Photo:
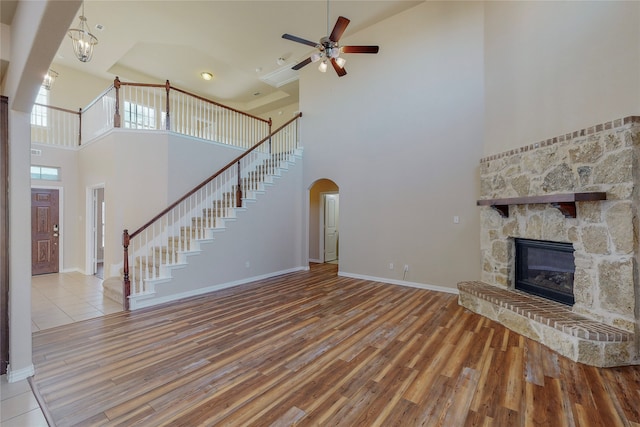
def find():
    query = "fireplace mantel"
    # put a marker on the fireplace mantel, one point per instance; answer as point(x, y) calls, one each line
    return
point(566, 202)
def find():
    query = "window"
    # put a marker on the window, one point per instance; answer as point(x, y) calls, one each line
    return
point(139, 116)
point(39, 113)
point(45, 173)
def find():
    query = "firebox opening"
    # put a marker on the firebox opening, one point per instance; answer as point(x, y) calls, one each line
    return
point(545, 269)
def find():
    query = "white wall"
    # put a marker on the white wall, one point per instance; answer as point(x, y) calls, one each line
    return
point(281, 115)
point(404, 146)
point(74, 89)
point(553, 67)
point(191, 161)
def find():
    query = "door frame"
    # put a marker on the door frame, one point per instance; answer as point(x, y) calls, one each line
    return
point(4, 231)
point(60, 220)
point(321, 221)
point(90, 240)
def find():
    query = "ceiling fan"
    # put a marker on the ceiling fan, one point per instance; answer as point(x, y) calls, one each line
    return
point(329, 49)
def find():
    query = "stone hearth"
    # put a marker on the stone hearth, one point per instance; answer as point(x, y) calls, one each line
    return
point(602, 158)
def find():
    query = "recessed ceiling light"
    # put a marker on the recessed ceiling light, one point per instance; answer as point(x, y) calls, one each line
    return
point(206, 76)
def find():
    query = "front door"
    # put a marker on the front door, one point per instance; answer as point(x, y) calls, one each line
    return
point(45, 231)
point(330, 227)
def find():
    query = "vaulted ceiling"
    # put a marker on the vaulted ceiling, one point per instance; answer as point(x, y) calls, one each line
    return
point(239, 42)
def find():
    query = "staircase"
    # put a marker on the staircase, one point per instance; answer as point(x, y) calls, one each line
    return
point(190, 226)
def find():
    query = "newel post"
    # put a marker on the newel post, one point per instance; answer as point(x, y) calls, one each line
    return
point(116, 115)
point(239, 189)
point(167, 86)
point(270, 124)
point(126, 291)
point(79, 126)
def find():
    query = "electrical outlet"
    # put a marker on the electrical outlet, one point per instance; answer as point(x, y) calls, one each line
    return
point(406, 268)
point(247, 264)
point(390, 266)
point(456, 219)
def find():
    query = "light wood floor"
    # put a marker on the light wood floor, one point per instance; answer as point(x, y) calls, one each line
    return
point(312, 348)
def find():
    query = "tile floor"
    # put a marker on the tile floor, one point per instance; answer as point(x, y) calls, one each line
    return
point(18, 406)
point(56, 299)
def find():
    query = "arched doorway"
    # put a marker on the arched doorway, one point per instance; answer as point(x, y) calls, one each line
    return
point(324, 223)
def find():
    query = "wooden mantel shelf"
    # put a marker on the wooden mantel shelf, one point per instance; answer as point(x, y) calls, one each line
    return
point(566, 203)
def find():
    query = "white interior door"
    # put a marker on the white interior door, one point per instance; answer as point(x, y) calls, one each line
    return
point(331, 210)
point(94, 230)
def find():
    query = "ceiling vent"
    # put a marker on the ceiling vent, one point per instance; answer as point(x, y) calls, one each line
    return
point(280, 77)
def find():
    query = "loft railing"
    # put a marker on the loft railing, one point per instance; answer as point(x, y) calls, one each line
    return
point(149, 107)
point(159, 242)
point(56, 126)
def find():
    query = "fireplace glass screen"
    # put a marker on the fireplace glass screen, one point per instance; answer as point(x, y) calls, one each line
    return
point(545, 269)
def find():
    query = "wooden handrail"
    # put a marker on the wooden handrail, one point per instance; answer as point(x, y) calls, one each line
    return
point(142, 84)
point(220, 105)
point(206, 181)
point(97, 98)
point(57, 108)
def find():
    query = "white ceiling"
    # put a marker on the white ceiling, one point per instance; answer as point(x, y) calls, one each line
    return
point(149, 41)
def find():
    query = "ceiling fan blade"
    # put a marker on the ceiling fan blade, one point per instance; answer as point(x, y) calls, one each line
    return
point(301, 64)
point(360, 49)
point(339, 70)
point(299, 40)
point(338, 29)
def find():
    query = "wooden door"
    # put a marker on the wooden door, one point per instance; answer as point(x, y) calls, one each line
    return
point(45, 231)
point(330, 227)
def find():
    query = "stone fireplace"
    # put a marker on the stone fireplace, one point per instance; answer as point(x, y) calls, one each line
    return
point(601, 327)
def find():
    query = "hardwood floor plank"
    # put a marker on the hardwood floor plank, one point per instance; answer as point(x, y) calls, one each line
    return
point(312, 348)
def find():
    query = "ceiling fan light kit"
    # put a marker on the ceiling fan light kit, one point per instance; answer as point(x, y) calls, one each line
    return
point(329, 49)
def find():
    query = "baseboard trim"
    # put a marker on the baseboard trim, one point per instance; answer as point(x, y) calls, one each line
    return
point(150, 302)
point(400, 283)
point(19, 374)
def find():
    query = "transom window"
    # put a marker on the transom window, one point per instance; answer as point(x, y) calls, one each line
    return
point(46, 173)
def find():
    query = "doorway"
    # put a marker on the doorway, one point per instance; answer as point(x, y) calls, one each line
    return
point(330, 225)
point(97, 232)
point(324, 242)
point(45, 231)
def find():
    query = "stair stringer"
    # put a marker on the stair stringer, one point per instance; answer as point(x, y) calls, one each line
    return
point(267, 232)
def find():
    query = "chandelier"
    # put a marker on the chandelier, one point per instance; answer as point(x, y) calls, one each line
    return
point(49, 79)
point(83, 40)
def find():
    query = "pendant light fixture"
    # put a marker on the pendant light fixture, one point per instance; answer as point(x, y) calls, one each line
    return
point(49, 79)
point(83, 40)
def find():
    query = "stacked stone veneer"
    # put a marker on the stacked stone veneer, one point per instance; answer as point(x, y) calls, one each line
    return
point(604, 233)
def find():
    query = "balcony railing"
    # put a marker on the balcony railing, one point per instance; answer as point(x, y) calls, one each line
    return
point(148, 107)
